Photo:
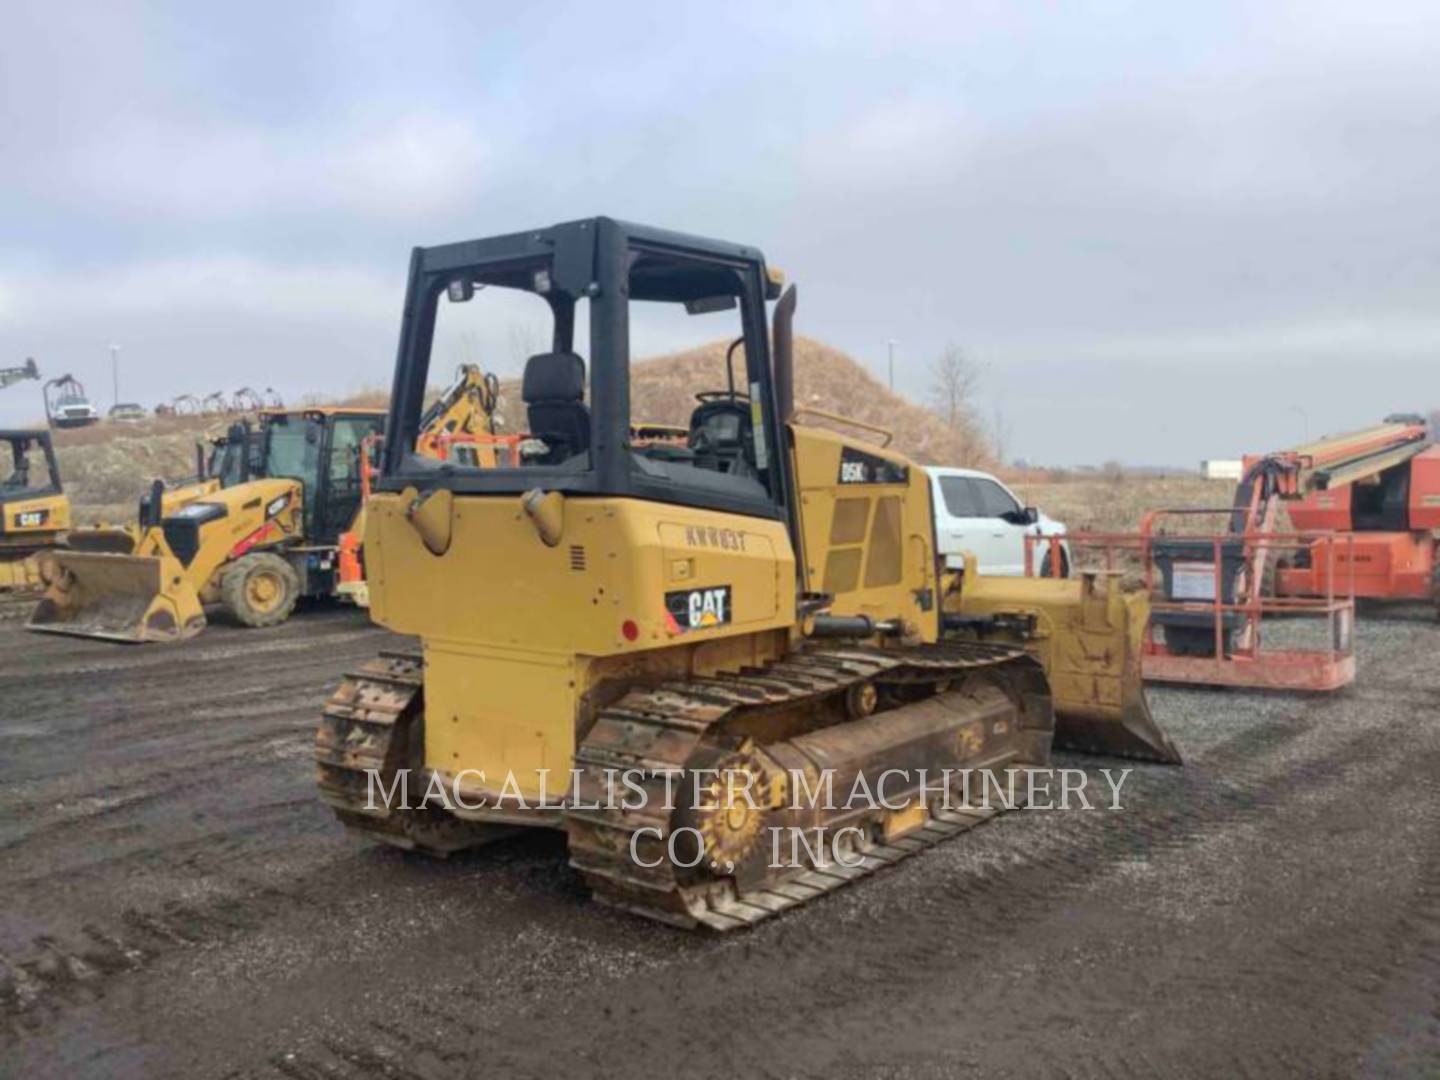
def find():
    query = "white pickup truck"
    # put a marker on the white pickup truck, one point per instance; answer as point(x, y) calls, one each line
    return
point(976, 512)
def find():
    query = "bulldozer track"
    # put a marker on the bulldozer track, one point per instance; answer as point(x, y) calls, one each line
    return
point(366, 730)
point(368, 726)
point(358, 733)
point(657, 731)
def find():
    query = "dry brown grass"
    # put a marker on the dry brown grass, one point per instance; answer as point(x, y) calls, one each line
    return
point(1115, 504)
point(369, 398)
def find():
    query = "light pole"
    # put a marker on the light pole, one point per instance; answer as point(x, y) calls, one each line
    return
point(890, 351)
point(115, 372)
point(1304, 420)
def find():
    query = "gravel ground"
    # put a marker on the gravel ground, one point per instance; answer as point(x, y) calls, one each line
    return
point(176, 903)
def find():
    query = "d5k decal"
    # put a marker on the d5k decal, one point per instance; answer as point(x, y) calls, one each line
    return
point(858, 467)
point(698, 609)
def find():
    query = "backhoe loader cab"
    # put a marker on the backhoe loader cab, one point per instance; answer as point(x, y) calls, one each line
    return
point(321, 449)
point(231, 458)
point(760, 602)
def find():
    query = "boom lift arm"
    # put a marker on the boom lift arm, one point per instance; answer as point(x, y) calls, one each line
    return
point(1325, 465)
point(1328, 464)
point(27, 370)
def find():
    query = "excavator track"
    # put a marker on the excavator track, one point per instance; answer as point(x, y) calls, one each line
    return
point(658, 732)
point(371, 725)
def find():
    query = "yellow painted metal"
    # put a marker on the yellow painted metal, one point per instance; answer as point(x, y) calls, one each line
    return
point(117, 597)
point(172, 499)
point(19, 571)
point(37, 521)
point(899, 822)
point(1088, 636)
point(869, 545)
point(30, 527)
point(507, 679)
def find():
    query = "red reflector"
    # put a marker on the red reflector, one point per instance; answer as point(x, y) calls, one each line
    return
point(630, 630)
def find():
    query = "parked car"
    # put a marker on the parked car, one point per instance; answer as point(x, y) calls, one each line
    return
point(976, 512)
point(128, 412)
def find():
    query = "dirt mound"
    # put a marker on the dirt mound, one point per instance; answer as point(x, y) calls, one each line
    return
point(106, 467)
point(662, 390)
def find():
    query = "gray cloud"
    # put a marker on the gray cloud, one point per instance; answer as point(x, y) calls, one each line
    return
point(1158, 229)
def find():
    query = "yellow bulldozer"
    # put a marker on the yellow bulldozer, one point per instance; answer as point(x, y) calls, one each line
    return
point(680, 644)
point(34, 509)
point(254, 542)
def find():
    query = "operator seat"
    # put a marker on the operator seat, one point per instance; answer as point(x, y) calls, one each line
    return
point(554, 393)
point(720, 432)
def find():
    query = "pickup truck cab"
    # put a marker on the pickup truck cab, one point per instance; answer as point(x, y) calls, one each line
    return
point(976, 512)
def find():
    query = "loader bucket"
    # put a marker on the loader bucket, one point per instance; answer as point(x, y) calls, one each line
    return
point(117, 597)
point(1087, 634)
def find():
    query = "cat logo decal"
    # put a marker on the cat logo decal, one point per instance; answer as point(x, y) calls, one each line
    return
point(697, 609)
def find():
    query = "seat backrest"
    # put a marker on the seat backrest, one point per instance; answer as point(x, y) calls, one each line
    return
point(722, 424)
point(554, 393)
point(720, 432)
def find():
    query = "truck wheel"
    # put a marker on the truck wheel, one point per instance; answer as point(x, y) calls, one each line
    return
point(1064, 565)
point(260, 589)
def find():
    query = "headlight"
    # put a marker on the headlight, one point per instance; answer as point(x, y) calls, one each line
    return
point(199, 512)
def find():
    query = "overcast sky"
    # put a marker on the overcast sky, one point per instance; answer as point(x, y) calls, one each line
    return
point(1165, 231)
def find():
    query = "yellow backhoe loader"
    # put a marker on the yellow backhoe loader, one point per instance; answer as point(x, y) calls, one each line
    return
point(256, 547)
point(684, 652)
point(220, 462)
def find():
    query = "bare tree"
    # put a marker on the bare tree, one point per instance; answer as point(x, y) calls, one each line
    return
point(1000, 434)
point(953, 379)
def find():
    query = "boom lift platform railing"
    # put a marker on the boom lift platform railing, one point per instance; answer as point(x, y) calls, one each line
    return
point(1208, 625)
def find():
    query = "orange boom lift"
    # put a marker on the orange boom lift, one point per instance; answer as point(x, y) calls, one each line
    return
point(1378, 490)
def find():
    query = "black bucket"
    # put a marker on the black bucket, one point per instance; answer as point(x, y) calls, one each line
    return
point(1188, 570)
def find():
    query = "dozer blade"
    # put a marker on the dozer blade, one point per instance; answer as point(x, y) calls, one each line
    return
point(117, 597)
point(1088, 635)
